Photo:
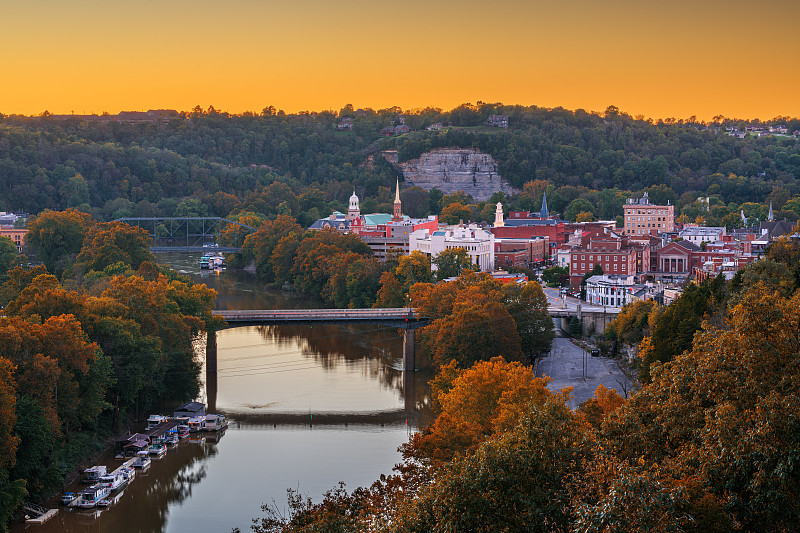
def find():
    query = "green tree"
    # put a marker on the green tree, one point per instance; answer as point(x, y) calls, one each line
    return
point(56, 237)
point(522, 481)
point(8, 251)
point(576, 207)
point(527, 305)
point(451, 262)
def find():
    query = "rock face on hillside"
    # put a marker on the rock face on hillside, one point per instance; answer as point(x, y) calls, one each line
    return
point(456, 169)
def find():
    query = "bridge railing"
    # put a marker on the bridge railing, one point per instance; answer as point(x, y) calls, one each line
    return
point(318, 314)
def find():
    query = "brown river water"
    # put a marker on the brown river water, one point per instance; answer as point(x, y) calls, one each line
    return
point(307, 407)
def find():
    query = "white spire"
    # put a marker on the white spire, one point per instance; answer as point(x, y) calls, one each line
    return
point(498, 216)
point(397, 192)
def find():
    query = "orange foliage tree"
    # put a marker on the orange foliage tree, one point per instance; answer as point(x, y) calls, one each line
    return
point(107, 243)
point(486, 399)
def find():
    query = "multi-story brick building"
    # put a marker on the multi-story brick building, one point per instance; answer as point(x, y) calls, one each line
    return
point(643, 218)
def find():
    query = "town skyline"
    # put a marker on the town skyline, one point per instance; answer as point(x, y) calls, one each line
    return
point(660, 61)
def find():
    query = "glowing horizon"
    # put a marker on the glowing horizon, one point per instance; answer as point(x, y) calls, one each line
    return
point(677, 60)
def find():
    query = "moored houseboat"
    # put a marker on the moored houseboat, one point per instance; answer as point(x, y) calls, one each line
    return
point(157, 450)
point(155, 420)
point(89, 497)
point(92, 475)
point(142, 460)
point(214, 423)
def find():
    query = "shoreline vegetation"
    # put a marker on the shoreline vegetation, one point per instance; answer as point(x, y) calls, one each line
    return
point(88, 350)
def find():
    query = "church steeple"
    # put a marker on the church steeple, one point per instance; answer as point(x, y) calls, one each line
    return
point(770, 217)
point(398, 212)
point(544, 213)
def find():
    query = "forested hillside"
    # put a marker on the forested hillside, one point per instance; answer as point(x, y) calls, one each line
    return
point(208, 162)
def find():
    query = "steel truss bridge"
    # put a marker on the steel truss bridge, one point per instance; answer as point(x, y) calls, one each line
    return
point(189, 234)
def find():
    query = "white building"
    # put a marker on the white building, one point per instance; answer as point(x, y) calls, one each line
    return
point(478, 243)
point(700, 234)
point(610, 290)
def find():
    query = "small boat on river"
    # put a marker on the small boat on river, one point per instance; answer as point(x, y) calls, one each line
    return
point(142, 460)
point(157, 450)
point(155, 420)
point(68, 498)
point(214, 423)
point(89, 497)
point(196, 423)
point(93, 474)
point(183, 431)
point(115, 480)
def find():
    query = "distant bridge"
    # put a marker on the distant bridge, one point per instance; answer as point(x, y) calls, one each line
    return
point(189, 234)
point(398, 317)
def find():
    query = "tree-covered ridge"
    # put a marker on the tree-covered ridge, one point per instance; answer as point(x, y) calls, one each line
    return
point(112, 169)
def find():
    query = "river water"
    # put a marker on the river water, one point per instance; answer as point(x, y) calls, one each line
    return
point(308, 407)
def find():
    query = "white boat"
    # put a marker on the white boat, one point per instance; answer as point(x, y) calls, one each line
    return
point(94, 474)
point(155, 420)
point(115, 480)
point(90, 497)
point(157, 450)
point(68, 498)
point(196, 423)
point(142, 460)
point(214, 423)
point(173, 439)
point(183, 431)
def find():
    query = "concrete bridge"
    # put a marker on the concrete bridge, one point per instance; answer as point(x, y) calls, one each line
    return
point(405, 318)
point(592, 319)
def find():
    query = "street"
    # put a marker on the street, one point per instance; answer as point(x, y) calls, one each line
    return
point(565, 366)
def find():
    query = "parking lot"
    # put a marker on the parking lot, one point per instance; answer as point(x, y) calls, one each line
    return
point(570, 366)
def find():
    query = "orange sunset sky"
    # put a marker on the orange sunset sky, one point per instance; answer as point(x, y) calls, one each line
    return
point(663, 59)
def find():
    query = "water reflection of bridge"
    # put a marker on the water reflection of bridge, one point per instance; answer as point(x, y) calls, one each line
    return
point(330, 335)
point(405, 318)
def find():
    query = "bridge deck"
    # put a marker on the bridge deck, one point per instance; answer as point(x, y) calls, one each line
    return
point(398, 317)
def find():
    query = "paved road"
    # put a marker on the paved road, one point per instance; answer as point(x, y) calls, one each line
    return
point(565, 365)
point(556, 301)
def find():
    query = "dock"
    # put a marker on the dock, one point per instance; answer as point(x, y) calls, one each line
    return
point(41, 519)
point(42, 514)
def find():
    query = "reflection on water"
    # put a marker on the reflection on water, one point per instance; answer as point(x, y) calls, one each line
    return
point(289, 374)
point(145, 503)
point(307, 407)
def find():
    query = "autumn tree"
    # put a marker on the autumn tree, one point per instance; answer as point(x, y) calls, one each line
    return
point(56, 237)
point(260, 245)
point(455, 213)
point(107, 243)
point(522, 480)
point(723, 414)
point(12, 490)
point(487, 399)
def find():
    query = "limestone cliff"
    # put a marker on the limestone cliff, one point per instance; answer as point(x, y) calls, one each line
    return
point(455, 169)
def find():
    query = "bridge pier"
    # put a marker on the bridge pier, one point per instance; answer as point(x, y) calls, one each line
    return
point(211, 371)
point(409, 355)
